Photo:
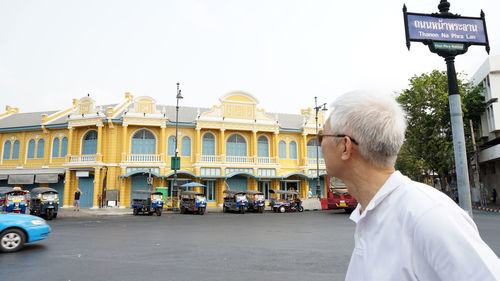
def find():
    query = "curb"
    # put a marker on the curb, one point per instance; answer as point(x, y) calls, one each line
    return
point(487, 209)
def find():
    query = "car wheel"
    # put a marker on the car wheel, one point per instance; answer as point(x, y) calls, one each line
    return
point(282, 209)
point(11, 240)
point(50, 214)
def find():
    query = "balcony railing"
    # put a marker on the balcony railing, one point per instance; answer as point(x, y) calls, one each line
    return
point(83, 158)
point(266, 160)
point(210, 158)
point(313, 161)
point(239, 159)
point(149, 158)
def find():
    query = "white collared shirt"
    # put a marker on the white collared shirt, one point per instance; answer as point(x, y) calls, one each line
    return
point(411, 231)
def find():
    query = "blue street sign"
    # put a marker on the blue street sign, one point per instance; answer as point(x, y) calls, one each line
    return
point(422, 27)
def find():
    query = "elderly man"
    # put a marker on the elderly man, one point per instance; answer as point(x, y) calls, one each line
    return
point(405, 230)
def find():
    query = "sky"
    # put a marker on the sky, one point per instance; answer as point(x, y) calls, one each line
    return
point(283, 52)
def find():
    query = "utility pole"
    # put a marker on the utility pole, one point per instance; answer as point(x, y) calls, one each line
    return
point(475, 166)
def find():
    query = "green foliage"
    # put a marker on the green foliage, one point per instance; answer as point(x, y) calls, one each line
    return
point(429, 141)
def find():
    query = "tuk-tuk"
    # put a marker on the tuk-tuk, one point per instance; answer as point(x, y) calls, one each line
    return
point(44, 201)
point(13, 200)
point(192, 201)
point(235, 200)
point(147, 202)
point(289, 201)
point(256, 200)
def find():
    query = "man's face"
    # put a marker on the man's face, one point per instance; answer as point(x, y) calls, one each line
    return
point(331, 153)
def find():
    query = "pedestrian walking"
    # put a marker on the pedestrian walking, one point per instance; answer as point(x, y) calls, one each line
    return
point(494, 194)
point(456, 195)
point(405, 230)
point(76, 201)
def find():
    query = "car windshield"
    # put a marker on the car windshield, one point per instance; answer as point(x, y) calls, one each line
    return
point(157, 197)
point(49, 196)
point(15, 198)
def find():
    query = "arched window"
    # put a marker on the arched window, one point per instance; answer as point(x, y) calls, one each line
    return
point(262, 147)
point(208, 144)
point(64, 147)
point(292, 150)
point(6, 150)
point(15, 151)
point(171, 146)
point(31, 149)
point(90, 143)
point(282, 149)
point(236, 146)
point(313, 149)
point(186, 146)
point(55, 148)
point(143, 142)
point(40, 149)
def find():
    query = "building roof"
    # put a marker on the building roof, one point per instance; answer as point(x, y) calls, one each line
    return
point(186, 115)
point(23, 119)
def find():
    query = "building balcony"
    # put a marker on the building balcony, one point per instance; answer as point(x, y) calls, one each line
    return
point(237, 159)
point(142, 158)
point(210, 158)
point(85, 158)
point(314, 161)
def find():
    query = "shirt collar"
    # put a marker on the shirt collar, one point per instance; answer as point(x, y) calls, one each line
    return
point(390, 184)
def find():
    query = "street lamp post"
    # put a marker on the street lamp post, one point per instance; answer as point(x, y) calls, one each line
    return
point(316, 109)
point(178, 97)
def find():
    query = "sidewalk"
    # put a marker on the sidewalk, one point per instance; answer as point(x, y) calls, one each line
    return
point(87, 211)
point(491, 207)
point(113, 211)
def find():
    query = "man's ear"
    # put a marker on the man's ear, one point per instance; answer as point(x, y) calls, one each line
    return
point(348, 149)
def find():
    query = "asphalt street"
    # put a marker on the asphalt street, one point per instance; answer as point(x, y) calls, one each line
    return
point(270, 246)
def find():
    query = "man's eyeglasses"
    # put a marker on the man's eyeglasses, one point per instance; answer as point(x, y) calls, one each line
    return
point(321, 135)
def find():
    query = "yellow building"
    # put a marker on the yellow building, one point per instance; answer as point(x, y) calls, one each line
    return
point(109, 151)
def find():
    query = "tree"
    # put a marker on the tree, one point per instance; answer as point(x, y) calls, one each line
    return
point(428, 148)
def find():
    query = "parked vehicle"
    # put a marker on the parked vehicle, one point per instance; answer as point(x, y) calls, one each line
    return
point(192, 201)
point(147, 202)
point(18, 229)
point(235, 200)
point(13, 200)
point(44, 201)
point(256, 200)
point(288, 201)
point(339, 198)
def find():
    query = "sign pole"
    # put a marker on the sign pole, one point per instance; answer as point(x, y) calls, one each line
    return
point(449, 35)
point(457, 127)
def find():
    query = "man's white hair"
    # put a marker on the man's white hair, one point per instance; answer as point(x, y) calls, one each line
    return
point(375, 120)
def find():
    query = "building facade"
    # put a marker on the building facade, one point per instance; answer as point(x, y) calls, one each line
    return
point(111, 150)
point(488, 75)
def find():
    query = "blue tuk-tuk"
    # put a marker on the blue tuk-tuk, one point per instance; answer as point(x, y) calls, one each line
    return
point(256, 200)
point(192, 201)
point(235, 200)
point(147, 202)
point(13, 200)
point(288, 201)
point(44, 201)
